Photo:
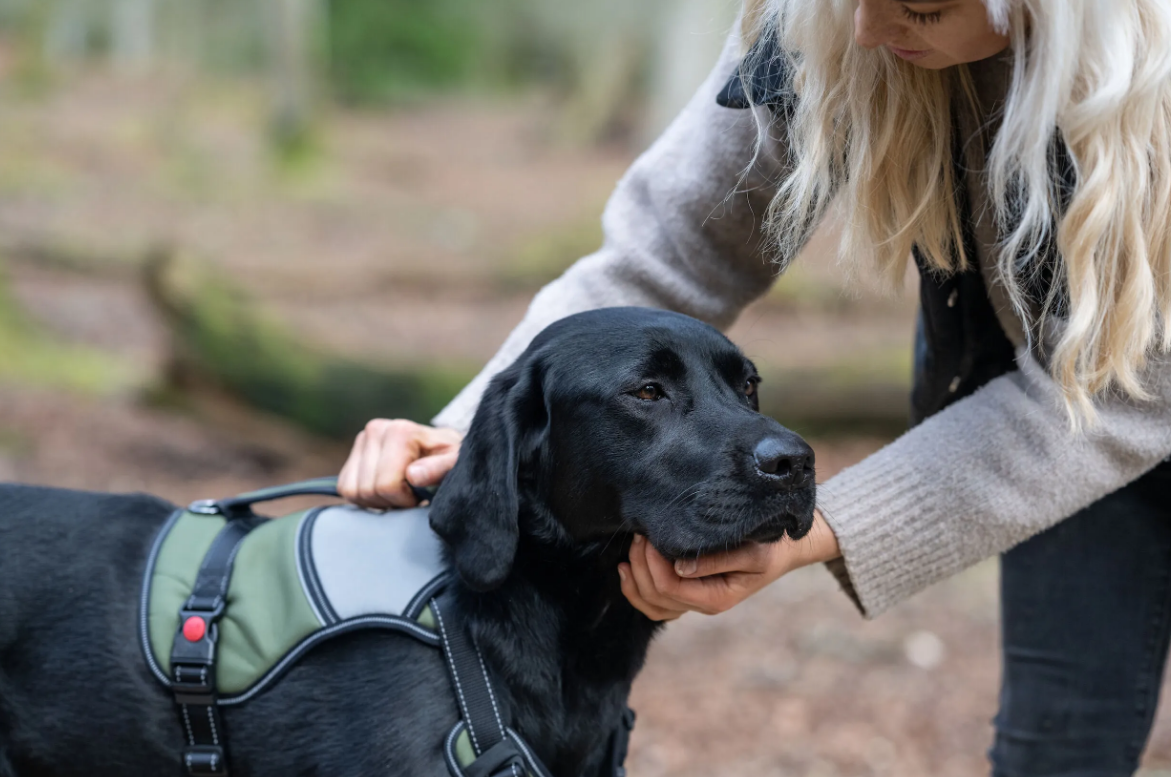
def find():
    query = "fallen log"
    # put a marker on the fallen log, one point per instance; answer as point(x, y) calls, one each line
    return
point(223, 341)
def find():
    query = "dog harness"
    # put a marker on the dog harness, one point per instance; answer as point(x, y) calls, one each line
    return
point(231, 600)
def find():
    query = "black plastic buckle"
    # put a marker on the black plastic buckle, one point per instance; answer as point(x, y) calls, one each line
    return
point(501, 760)
point(205, 760)
point(620, 743)
point(193, 662)
point(208, 607)
point(193, 684)
point(202, 650)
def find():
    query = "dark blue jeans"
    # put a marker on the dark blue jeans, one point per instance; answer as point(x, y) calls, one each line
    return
point(1086, 610)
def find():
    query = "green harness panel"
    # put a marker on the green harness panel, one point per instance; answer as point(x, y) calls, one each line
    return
point(268, 611)
point(295, 581)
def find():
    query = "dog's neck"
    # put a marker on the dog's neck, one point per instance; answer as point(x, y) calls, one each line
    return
point(563, 646)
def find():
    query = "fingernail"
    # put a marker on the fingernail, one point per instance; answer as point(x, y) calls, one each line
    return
point(686, 566)
point(638, 539)
point(416, 472)
point(622, 574)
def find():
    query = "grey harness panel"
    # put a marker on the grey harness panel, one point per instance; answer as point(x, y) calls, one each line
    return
point(372, 563)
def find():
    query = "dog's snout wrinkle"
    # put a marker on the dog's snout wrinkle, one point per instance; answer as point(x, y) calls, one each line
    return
point(785, 461)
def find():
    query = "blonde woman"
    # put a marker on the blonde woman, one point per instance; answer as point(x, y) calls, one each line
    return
point(1020, 150)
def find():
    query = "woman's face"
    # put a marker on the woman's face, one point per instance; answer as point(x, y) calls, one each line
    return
point(929, 34)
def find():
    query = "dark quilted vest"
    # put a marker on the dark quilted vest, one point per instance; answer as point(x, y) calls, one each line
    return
point(959, 343)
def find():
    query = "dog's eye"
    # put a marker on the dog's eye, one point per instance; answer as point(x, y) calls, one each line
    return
point(750, 386)
point(650, 392)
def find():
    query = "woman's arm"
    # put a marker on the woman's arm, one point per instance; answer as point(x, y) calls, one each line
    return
point(682, 231)
point(981, 476)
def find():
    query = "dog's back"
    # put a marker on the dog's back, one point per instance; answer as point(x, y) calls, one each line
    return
point(77, 697)
point(71, 673)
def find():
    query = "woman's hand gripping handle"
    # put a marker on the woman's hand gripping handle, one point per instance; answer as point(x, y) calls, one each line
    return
point(389, 457)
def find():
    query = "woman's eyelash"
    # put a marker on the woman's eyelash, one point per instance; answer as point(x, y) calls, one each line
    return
point(922, 18)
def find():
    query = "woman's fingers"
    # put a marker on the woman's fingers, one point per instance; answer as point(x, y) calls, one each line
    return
point(434, 441)
point(655, 588)
point(708, 595)
point(652, 577)
point(378, 485)
point(376, 474)
point(631, 592)
point(347, 479)
point(751, 558)
point(430, 470)
point(440, 451)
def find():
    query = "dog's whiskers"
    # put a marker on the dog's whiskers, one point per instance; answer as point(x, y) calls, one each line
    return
point(611, 539)
point(696, 491)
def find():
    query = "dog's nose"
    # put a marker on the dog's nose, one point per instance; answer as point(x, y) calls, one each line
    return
point(787, 461)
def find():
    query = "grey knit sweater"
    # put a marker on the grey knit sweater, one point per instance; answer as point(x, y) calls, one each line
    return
point(682, 232)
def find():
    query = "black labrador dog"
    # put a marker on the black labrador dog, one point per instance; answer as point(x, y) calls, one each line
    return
point(613, 422)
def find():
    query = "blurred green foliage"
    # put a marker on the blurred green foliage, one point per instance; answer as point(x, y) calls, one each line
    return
point(33, 357)
point(385, 50)
point(545, 256)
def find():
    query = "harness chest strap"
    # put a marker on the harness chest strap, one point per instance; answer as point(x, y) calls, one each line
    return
point(497, 750)
point(193, 654)
point(481, 710)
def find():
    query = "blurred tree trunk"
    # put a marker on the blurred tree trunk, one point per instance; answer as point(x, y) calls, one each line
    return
point(687, 45)
point(68, 30)
point(220, 341)
point(294, 29)
point(132, 34)
point(607, 45)
point(633, 65)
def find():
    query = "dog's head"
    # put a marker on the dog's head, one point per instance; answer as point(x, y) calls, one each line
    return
point(617, 421)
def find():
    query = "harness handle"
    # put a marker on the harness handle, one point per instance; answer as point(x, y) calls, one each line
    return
point(241, 506)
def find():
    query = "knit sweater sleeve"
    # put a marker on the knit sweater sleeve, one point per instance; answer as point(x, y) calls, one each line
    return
point(984, 474)
point(682, 231)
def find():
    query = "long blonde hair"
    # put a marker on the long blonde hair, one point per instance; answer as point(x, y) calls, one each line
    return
point(877, 132)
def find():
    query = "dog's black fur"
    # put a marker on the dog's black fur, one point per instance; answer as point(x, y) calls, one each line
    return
point(613, 422)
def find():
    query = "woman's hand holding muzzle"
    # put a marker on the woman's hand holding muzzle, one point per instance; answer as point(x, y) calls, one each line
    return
point(717, 582)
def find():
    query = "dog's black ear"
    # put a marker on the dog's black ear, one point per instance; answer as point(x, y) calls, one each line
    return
point(476, 510)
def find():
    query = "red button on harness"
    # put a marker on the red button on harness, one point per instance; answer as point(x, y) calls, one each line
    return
point(194, 628)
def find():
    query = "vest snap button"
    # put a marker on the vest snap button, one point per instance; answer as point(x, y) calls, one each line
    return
point(194, 628)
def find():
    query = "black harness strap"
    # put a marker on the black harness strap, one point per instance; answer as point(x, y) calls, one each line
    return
point(500, 752)
point(497, 755)
point(194, 652)
point(615, 763)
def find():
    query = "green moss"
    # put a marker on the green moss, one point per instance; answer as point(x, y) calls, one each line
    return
point(33, 357)
point(543, 258)
point(221, 337)
point(14, 443)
